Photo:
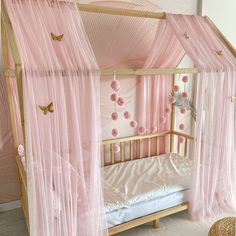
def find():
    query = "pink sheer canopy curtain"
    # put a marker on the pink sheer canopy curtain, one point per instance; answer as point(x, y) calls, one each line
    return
point(62, 145)
point(166, 51)
point(214, 176)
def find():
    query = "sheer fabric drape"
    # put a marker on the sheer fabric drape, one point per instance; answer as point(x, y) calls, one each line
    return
point(214, 178)
point(154, 90)
point(63, 146)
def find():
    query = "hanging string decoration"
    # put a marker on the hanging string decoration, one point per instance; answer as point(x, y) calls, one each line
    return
point(181, 139)
point(119, 101)
point(133, 124)
point(181, 100)
point(115, 85)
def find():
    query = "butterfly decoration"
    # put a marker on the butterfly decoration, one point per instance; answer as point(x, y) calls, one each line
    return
point(186, 35)
point(185, 103)
point(219, 52)
point(46, 109)
point(233, 98)
point(57, 37)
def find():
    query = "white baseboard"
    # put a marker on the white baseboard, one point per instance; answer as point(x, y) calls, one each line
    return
point(10, 206)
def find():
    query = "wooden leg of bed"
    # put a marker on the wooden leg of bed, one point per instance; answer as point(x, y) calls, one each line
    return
point(156, 223)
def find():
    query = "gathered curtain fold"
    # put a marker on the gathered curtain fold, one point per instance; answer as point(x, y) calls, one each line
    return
point(63, 142)
point(213, 178)
point(153, 90)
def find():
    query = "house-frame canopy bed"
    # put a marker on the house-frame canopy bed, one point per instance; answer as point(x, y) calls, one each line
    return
point(135, 151)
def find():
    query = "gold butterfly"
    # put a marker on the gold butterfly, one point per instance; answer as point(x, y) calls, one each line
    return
point(186, 35)
point(46, 109)
point(219, 52)
point(233, 98)
point(57, 37)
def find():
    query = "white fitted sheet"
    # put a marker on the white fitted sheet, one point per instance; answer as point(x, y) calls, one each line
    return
point(137, 188)
point(122, 215)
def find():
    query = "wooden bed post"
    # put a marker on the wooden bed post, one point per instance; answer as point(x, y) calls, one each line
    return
point(8, 34)
point(156, 224)
point(8, 82)
point(172, 121)
point(8, 38)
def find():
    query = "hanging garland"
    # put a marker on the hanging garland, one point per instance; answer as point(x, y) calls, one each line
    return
point(182, 100)
point(184, 103)
point(117, 100)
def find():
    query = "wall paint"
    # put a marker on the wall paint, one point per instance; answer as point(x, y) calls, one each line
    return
point(222, 13)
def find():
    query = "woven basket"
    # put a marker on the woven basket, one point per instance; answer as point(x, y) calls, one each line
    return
point(223, 227)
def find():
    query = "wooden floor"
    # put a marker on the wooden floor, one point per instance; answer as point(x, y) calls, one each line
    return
point(12, 223)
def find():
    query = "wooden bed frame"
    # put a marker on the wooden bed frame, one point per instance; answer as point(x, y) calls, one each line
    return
point(132, 148)
point(133, 145)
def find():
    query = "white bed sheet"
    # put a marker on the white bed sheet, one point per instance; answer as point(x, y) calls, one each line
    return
point(122, 215)
point(128, 184)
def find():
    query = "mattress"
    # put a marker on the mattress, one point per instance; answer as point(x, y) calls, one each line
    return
point(122, 215)
point(140, 187)
point(136, 188)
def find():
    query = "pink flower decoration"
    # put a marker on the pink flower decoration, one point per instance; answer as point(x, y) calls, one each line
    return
point(120, 101)
point(163, 120)
point(133, 124)
point(115, 85)
point(127, 115)
point(114, 97)
point(172, 100)
point(185, 79)
point(141, 130)
point(116, 148)
point(114, 132)
point(21, 150)
point(182, 110)
point(154, 129)
point(182, 126)
point(114, 115)
point(176, 88)
point(181, 139)
point(185, 95)
point(167, 110)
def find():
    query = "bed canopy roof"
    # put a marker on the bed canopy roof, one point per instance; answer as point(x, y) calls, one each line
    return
point(126, 38)
point(122, 35)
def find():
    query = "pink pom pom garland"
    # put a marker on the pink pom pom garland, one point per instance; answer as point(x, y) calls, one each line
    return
point(114, 97)
point(114, 115)
point(185, 79)
point(115, 85)
point(133, 124)
point(184, 94)
point(127, 115)
point(114, 132)
point(182, 110)
point(182, 127)
point(116, 148)
point(167, 110)
point(181, 139)
point(153, 129)
point(172, 100)
point(120, 101)
point(176, 88)
point(142, 130)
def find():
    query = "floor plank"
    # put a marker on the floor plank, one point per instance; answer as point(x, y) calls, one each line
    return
point(12, 223)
